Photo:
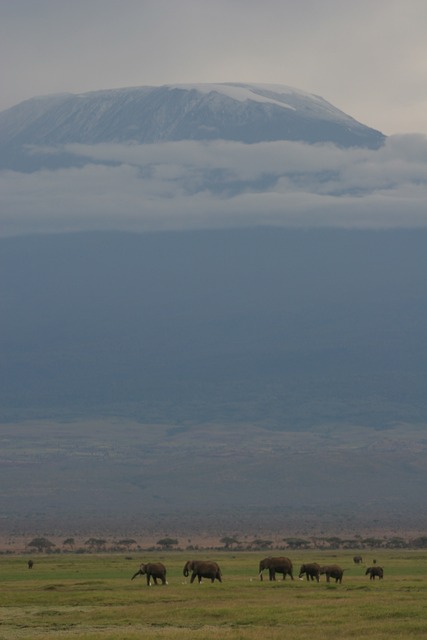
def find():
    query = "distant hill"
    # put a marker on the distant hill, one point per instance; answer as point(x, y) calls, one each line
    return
point(231, 111)
point(112, 475)
point(283, 328)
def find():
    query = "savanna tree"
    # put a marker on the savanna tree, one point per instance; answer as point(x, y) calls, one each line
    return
point(41, 544)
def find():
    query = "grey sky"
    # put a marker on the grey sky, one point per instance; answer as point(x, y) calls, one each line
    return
point(368, 58)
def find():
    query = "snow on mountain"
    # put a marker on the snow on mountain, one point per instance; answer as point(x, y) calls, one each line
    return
point(245, 113)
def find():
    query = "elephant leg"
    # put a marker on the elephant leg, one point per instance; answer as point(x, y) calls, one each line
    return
point(193, 577)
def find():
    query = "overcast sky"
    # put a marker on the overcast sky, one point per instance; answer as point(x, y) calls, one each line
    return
point(368, 58)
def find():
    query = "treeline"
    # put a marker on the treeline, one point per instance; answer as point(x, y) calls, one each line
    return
point(99, 545)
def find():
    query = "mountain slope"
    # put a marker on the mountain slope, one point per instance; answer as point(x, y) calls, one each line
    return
point(239, 112)
point(276, 327)
point(114, 474)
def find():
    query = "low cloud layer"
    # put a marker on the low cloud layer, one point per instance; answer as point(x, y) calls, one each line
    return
point(193, 185)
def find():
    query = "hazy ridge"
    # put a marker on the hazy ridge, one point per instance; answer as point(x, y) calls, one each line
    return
point(118, 476)
point(252, 374)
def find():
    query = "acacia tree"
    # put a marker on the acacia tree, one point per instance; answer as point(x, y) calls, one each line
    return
point(297, 543)
point(96, 543)
point(260, 543)
point(420, 542)
point(69, 542)
point(127, 542)
point(41, 544)
point(373, 542)
point(228, 541)
point(167, 543)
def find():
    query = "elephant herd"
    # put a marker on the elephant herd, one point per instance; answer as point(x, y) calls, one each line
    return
point(312, 571)
point(210, 570)
point(198, 568)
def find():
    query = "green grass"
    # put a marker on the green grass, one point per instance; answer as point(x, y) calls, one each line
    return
point(89, 597)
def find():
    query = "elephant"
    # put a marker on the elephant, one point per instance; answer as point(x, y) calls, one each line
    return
point(311, 570)
point(332, 571)
point(155, 570)
point(375, 572)
point(202, 569)
point(357, 559)
point(276, 565)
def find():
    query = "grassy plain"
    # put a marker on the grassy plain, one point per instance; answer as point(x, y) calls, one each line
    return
point(91, 597)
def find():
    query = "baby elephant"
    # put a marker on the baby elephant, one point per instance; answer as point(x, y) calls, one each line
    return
point(155, 570)
point(375, 572)
point(332, 571)
point(311, 570)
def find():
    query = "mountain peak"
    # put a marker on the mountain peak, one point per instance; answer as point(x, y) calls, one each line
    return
point(240, 112)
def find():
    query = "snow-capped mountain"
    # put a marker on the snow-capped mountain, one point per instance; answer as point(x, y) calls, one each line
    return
point(246, 113)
